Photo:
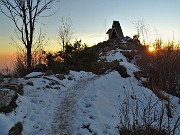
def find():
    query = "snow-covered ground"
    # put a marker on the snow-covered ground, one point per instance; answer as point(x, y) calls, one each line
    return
point(83, 103)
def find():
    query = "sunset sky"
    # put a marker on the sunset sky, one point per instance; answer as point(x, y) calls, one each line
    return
point(88, 20)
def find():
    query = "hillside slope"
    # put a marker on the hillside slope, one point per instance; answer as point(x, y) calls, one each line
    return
point(87, 104)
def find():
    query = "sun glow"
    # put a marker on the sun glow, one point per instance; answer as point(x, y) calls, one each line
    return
point(151, 49)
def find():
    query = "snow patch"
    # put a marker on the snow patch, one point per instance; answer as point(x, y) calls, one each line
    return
point(34, 74)
point(5, 124)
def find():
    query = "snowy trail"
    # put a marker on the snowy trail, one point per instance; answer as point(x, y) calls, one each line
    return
point(66, 110)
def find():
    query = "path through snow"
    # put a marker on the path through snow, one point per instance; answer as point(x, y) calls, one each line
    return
point(83, 103)
point(66, 110)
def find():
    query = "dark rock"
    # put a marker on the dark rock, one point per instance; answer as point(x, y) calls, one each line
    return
point(70, 78)
point(30, 83)
point(40, 68)
point(53, 82)
point(7, 100)
point(61, 77)
point(122, 71)
point(6, 97)
point(140, 74)
point(128, 54)
point(17, 87)
point(86, 126)
point(48, 72)
point(16, 129)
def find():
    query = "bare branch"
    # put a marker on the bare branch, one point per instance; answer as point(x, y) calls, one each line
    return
point(24, 14)
point(65, 32)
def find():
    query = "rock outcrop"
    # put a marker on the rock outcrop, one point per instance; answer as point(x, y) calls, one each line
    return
point(16, 129)
point(8, 96)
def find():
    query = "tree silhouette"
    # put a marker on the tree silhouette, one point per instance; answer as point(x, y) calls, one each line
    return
point(65, 33)
point(25, 14)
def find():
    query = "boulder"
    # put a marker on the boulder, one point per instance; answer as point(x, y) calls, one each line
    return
point(16, 129)
point(122, 71)
point(17, 87)
point(6, 97)
point(61, 76)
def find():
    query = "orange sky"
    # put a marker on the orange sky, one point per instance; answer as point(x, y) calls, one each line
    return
point(90, 21)
point(6, 61)
point(6, 48)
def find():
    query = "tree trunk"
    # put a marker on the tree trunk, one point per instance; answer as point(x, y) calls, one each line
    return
point(24, 14)
point(29, 58)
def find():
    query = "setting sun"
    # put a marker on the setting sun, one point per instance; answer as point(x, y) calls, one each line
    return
point(151, 49)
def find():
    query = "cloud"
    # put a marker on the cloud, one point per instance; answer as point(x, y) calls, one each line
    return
point(92, 38)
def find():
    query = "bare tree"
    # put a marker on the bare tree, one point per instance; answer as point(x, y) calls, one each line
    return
point(25, 14)
point(142, 30)
point(65, 32)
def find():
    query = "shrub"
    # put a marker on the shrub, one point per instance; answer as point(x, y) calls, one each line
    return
point(162, 68)
point(149, 117)
point(142, 131)
point(20, 65)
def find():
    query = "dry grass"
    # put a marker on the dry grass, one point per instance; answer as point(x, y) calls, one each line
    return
point(162, 68)
point(153, 117)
